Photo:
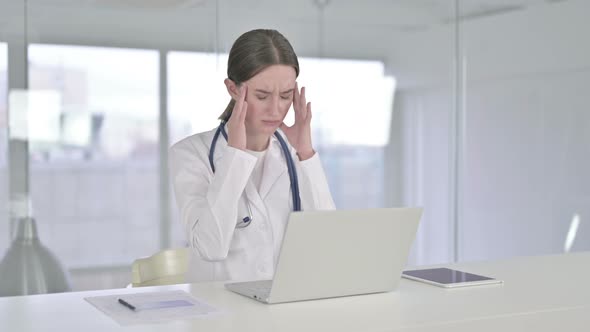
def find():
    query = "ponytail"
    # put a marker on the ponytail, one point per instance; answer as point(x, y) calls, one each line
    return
point(227, 113)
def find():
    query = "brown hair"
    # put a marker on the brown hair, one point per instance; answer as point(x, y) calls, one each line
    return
point(252, 52)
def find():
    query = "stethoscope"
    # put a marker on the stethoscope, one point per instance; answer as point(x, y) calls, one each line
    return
point(245, 222)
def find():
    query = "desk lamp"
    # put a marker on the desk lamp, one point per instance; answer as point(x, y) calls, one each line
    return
point(29, 267)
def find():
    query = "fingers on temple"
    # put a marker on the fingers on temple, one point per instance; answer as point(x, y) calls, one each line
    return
point(244, 111)
point(241, 100)
point(296, 97)
point(301, 109)
point(303, 101)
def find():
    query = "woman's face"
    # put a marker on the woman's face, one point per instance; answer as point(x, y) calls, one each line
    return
point(269, 97)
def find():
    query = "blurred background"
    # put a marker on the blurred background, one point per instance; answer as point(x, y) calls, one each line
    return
point(477, 110)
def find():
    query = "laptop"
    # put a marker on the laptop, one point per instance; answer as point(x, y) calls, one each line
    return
point(335, 253)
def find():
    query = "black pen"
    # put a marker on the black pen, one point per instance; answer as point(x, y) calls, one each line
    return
point(127, 304)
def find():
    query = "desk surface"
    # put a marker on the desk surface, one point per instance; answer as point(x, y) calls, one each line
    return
point(543, 293)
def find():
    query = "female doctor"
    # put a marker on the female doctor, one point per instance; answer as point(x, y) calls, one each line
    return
point(237, 184)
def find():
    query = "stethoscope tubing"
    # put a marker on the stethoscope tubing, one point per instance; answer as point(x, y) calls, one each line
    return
point(290, 169)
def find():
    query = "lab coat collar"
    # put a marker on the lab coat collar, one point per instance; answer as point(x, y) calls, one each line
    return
point(275, 165)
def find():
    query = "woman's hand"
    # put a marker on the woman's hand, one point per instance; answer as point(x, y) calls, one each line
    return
point(299, 134)
point(236, 124)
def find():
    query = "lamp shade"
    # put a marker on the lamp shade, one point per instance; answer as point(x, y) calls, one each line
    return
point(29, 267)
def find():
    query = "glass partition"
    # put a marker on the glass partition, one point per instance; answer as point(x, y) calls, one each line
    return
point(527, 132)
point(97, 159)
point(474, 110)
point(4, 213)
point(93, 147)
point(111, 97)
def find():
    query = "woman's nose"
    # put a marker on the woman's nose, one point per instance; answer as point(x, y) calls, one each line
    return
point(274, 106)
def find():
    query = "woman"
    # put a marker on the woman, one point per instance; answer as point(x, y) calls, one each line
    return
point(236, 185)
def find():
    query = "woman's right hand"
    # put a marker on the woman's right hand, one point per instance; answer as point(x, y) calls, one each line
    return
point(236, 124)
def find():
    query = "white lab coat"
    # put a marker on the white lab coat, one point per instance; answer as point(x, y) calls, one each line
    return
point(211, 204)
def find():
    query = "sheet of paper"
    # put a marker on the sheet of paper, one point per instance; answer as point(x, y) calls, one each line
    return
point(152, 307)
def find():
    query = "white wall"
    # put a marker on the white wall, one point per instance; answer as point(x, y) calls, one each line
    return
point(527, 163)
point(527, 119)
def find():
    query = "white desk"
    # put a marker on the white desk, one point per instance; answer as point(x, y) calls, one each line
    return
point(545, 293)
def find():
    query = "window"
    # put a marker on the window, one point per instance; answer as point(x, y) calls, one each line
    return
point(352, 105)
point(93, 130)
point(196, 93)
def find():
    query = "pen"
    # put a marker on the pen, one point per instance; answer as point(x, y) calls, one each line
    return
point(127, 304)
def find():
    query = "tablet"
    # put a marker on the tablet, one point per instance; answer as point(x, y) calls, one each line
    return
point(449, 278)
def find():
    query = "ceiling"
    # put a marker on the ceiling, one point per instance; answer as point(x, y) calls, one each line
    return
point(396, 14)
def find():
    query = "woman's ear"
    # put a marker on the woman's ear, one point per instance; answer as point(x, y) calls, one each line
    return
point(232, 88)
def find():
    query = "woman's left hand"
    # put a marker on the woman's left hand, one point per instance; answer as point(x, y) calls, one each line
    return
point(299, 134)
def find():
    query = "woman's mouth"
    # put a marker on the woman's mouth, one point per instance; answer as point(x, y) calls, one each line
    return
point(274, 123)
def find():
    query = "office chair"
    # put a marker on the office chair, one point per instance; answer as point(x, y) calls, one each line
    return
point(166, 267)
